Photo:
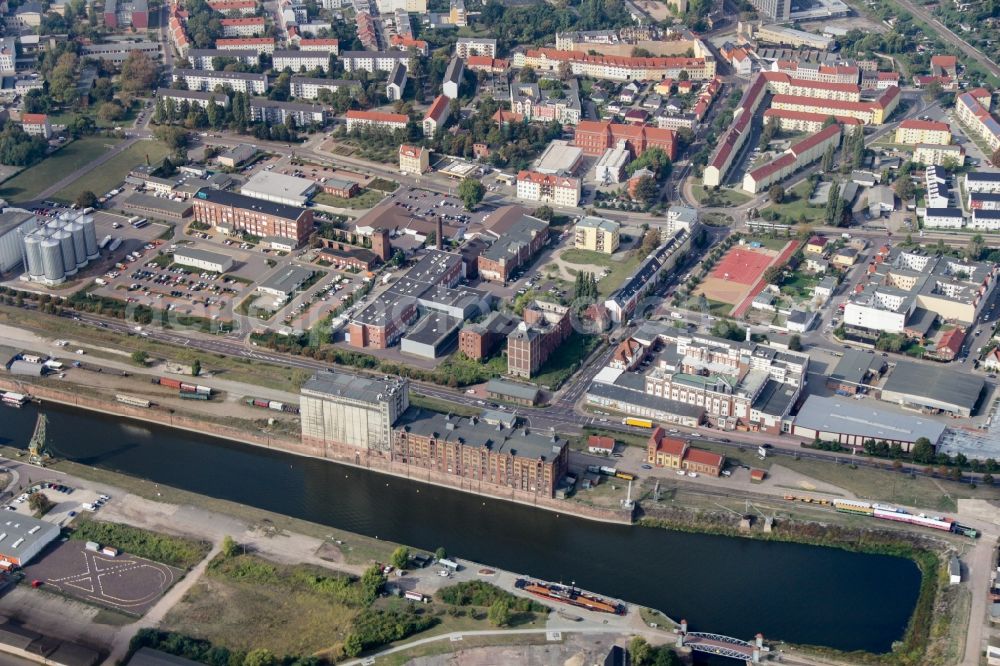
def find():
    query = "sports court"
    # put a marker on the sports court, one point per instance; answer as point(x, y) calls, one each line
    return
point(736, 273)
point(124, 582)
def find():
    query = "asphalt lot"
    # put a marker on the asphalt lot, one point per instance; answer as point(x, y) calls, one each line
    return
point(124, 582)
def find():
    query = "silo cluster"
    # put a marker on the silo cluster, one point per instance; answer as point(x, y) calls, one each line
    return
point(59, 248)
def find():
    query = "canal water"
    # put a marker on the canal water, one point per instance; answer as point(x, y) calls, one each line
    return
point(738, 587)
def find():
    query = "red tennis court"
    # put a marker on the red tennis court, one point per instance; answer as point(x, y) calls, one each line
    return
point(743, 265)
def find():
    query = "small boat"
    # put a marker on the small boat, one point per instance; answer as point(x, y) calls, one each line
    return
point(12, 399)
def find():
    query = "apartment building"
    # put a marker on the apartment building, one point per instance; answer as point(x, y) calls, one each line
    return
point(976, 116)
point(453, 78)
point(811, 71)
point(478, 341)
point(982, 181)
point(414, 159)
point(242, 7)
point(622, 303)
point(545, 326)
point(515, 238)
point(246, 26)
point(437, 115)
point(730, 143)
point(616, 68)
point(475, 46)
point(473, 452)
point(320, 45)
point(298, 61)
point(362, 119)
point(938, 155)
point(193, 97)
point(908, 290)
point(597, 234)
point(372, 61)
point(205, 58)
point(783, 84)
point(738, 384)
point(343, 415)
point(913, 131)
point(801, 121)
point(869, 113)
point(233, 213)
point(258, 44)
point(305, 87)
point(797, 156)
point(548, 188)
point(274, 113)
point(36, 124)
point(774, 10)
point(596, 137)
point(206, 80)
point(124, 14)
point(538, 104)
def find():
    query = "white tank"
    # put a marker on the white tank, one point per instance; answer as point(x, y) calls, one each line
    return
point(79, 245)
point(68, 253)
point(33, 256)
point(52, 260)
point(89, 236)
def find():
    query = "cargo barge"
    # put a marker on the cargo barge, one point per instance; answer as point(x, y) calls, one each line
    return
point(571, 596)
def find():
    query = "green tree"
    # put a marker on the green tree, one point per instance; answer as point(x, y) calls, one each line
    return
point(196, 368)
point(975, 249)
point(776, 193)
point(499, 613)
point(544, 213)
point(140, 358)
point(86, 199)
point(259, 657)
point(353, 645)
point(40, 503)
point(139, 72)
point(229, 546)
point(640, 651)
point(771, 274)
point(795, 343)
point(827, 163)
point(471, 192)
point(646, 190)
point(400, 557)
point(372, 581)
point(923, 450)
point(440, 553)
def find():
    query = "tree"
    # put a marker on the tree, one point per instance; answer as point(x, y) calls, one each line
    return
point(40, 503)
point(471, 192)
point(440, 553)
point(904, 188)
point(400, 557)
point(771, 274)
point(229, 546)
point(795, 343)
point(544, 213)
point(139, 72)
point(776, 193)
point(196, 368)
point(259, 657)
point(86, 199)
point(639, 650)
point(646, 190)
point(974, 250)
point(499, 613)
point(827, 164)
point(140, 358)
point(923, 450)
point(527, 75)
point(176, 138)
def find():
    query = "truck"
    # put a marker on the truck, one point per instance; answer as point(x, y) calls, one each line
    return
point(638, 423)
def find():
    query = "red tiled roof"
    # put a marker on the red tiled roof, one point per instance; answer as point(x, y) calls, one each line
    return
point(245, 41)
point(247, 20)
point(319, 42)
point(438, 107)
point(816, 139)
point(914, 123)
point(377, 116)
point(619, 61)
point(547, 179)
point(669, 445)
point(703, 457)
point(773, 166)
point(596, 441)
point(34, 118)
point(410, 151)
point(951, 340)
point(805, 115)
point(825, 85)
point(819, 241)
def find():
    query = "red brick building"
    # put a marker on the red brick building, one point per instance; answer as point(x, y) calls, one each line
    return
point(478, 341)
point(516, 237)
point(545, 327)
point(239, 213)
point(675, 453)
point(595, 137)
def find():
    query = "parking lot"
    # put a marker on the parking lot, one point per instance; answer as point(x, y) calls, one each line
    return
point(121, 582)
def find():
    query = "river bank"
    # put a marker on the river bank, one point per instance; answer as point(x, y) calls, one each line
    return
point(927, 553)
point(275, 441)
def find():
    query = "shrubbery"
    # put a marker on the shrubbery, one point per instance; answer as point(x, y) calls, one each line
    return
point(174, 551)
point(373, 628)
point(479, 593)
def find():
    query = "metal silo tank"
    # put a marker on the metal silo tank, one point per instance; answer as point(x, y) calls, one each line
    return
point(33, 256)
point(68, 253)
point(52, 260)
point(75, 230)
point(89, 236)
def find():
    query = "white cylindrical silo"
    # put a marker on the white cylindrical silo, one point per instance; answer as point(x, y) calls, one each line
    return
point(89, 236)
point(68, 253)
point(33, 256)
point(52, 261)
point(75, 230)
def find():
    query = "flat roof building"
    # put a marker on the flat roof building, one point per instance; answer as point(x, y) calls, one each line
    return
point(235, 213)
point(203, 259)
point(279, 188)
point(933, 388)
point(851, 422)
point(522, 394)
point(285, 281)
point(432, 336)
point(22, 538)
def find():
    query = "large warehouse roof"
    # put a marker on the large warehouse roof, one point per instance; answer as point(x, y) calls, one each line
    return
point(936, 383)
point(858, 417)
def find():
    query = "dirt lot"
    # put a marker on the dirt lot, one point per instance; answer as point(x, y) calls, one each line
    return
point(124, 582)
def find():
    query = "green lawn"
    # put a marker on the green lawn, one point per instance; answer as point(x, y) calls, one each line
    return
point(29, 183)
point(586, 257)
point(800, 284)
point(565, 360)
point(365, 199)
point(619, 271)
point(114, 170)
point(721, 197)
point(796, 206)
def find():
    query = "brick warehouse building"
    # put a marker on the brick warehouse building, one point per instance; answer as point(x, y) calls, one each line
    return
point(545, 327)
point(236, 212)
point(472, 451)
point(674, 453)
point(595, 137)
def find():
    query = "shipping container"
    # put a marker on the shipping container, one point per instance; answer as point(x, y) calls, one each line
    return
point(638, 423)
point(203, 389)
point(191, 395)
point(414, 596)
point(92, 546)
point(276, 406)
point(168, 382)
point(258, 402)
point(608, 471)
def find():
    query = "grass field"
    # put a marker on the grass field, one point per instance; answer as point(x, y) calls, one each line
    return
point(29, 183)
point(619, 271)
point(565, 360)
point(586, 257)
point(114, 170)
point(365, 199)
point(720, 197)
point(796, 206)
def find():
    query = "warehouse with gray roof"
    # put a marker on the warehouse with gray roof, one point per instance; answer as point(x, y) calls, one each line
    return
point(851, 422)
point(933, 388)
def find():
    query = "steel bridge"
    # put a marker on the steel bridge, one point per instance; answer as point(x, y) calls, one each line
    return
point(724, 646)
